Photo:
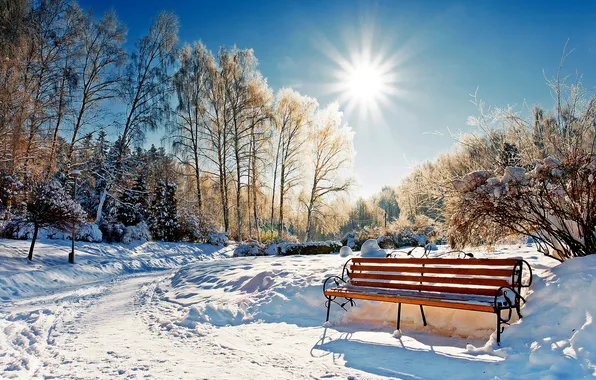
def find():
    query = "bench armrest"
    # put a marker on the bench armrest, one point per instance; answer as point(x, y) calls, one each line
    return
point(521, 264)
point(502, 293)
point(335, 280)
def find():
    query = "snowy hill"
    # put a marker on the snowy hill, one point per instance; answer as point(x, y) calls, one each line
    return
point(262, 317)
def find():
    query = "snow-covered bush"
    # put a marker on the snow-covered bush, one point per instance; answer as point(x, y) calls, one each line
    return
point(195, 227)
point(554, 203)
point(218, 238)
point(371, 248)
point(139, 233)
point(309, 248)
point(17, 228)
point(112, 232)
point(252, 248)
point(89, 232)
point(349, 240)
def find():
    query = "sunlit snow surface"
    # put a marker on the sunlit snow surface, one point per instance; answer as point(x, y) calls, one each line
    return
point(189, 311)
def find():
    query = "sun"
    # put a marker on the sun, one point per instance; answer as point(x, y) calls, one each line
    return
point(365, 83)
point(366, 76)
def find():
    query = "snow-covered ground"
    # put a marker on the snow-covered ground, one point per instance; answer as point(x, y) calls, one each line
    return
point(190, 311)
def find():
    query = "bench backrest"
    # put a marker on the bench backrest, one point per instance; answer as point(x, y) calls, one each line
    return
point(463, 276)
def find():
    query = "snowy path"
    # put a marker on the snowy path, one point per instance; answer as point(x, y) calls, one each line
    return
point(110, 336)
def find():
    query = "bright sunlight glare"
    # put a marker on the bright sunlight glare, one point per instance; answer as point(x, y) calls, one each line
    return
point(365, 83)
point(366, 76)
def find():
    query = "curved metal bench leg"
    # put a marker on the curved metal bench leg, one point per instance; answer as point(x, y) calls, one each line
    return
point(398, 315)
point(328, 308)
point(423, 316)
point(499, 327)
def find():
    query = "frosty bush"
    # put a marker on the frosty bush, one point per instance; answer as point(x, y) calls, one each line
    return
point(139, 233)
point(50, 206)
point(218, 238)
point(196, 227)
point(309, 248)
point(252, 248)
point(89, 232)
point(555, 203)
point(112, 232)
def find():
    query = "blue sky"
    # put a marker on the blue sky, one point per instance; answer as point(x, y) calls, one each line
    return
point(446, 50)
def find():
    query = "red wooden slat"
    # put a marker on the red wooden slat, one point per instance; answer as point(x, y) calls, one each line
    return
point(436, 261)
point(448, 270)
point(496, 282)
point(428, 288)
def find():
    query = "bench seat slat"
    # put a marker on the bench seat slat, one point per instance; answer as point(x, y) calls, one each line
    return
point(496, 282)
point(493, 272)
point(446, 261)
point(453, 301)
point(428, 288)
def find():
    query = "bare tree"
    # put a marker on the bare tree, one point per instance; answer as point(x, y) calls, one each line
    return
point(101, 55)
point(293, 114)
point(189, 123)
point(146, 86)
point(332, 151)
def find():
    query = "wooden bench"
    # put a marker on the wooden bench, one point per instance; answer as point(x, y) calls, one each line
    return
point(484, 285)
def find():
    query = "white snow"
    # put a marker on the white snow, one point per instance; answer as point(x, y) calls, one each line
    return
point(345, 251)
point(371, 248)
point(206, 315)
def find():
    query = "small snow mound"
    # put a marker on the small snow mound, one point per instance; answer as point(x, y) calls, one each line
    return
point(371, 248)
point(260, 282)
point(397, 334)
point(345, 251)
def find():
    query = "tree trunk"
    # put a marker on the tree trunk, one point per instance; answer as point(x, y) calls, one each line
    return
point(311, 203)
point(254, 192)
point(238, 187)
point(102, 199)
point(224, 197)
point(308, 224)
point(198, 177)
point(33, 239)
point(275, 180)
point(248, 190)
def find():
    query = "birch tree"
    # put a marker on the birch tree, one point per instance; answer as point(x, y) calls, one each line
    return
point(293, 115)
point(188, 127)
point(331, 149)
point(101, 55)
point(146, 86)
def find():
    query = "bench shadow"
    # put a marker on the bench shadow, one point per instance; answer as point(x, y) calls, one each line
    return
point(416, 355)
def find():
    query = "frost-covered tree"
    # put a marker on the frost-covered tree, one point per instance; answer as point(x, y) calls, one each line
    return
point(164, 213)
point(388, 202)
point(49, 206)
point(98, 62)
point(294, 114)
point(332, 152)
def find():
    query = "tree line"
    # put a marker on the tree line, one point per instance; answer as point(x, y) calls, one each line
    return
point(238, 156)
